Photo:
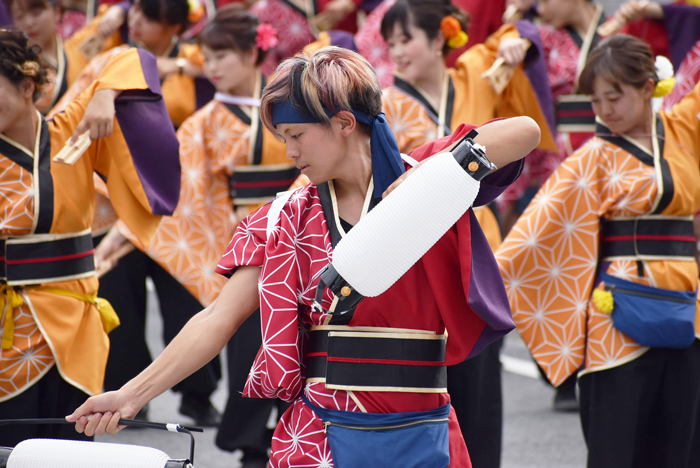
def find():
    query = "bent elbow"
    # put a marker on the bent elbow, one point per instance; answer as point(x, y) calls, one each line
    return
point(532, 133)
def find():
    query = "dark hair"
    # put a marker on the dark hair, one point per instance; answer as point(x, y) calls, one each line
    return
point(425, 15)
point(31, 4)
point(19, 61)
point(232, 28)
point(619, 59)
point(166, 11)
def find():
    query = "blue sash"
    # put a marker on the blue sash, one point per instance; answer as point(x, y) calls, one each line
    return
point(390, 440)
point(654, 317)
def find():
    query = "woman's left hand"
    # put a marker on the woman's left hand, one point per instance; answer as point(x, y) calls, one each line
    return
point(98, 117)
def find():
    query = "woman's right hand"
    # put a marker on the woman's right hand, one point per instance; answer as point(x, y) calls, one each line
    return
point(110, 244)
point(101, 413)
point(513, 50)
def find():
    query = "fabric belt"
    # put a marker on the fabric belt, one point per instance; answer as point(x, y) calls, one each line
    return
point(259, 183)
point(46, 258)
point(648, 238)
point(376, 359)
point(574, 114)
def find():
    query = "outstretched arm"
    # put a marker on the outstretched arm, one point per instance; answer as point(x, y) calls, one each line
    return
point(198, 342)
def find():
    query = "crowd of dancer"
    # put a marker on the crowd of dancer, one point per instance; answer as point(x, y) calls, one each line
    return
point(184, 121)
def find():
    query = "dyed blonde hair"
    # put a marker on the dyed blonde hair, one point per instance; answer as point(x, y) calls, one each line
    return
point(332, 78)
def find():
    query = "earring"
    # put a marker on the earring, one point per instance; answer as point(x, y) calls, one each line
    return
point(439, 53)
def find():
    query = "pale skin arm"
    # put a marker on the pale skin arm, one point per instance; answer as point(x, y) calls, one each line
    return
point(634, 10)
point(505, 140)
point(202, 338)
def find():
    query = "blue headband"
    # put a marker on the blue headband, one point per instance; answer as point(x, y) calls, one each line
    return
point(387, 164)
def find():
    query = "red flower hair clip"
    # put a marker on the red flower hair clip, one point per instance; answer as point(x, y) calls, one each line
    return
point(267, 36)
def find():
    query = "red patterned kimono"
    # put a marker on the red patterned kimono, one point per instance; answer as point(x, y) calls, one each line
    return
point(687, 75)
point(436, 294)
point(291, 20)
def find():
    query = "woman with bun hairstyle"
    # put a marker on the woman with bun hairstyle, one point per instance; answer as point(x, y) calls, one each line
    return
point(600, 268)
point(54, 328)
point(327, 110)
point(39, 20)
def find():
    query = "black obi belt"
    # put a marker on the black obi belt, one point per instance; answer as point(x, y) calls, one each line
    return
point(46, 258)
point(261, 183)
point(574, 114)
point(648, 238)
point(374, 359)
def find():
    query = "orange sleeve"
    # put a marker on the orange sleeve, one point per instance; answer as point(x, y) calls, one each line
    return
point(142, 138)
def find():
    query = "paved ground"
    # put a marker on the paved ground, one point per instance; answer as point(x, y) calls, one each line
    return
point(534, 435)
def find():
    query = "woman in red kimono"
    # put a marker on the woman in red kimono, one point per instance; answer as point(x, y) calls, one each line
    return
point(349, 171)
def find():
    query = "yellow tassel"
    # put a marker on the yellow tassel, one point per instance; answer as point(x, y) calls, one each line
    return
point(110, 319)
point(14, 300)
point(664, 87)
point(603, 300)
point(458, 41)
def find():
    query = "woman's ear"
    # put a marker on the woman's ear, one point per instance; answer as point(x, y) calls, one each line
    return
point(27, 87)
point(439, 42)
point(174, 30)
point(346, 122)
point(648, 89)
point(250, 57)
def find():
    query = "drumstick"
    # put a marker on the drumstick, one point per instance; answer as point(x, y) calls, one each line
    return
point(615, 23)
point(69, 154)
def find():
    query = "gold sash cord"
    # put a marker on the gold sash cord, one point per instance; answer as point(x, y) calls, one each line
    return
point(10, 298)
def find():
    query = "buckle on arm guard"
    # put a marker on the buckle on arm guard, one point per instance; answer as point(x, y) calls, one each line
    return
point(472, 157)
point(347, 298)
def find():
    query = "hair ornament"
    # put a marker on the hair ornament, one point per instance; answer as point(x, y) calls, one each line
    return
point(266, 37)
point(29, 68)
point(664, 70)
point(196, 11)
point(453, 32)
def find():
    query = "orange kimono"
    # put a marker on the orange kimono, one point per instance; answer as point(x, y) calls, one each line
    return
point(182, 94)
point(466, 97)
point(231, 165)
point(48, 287)
point(551, 257)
